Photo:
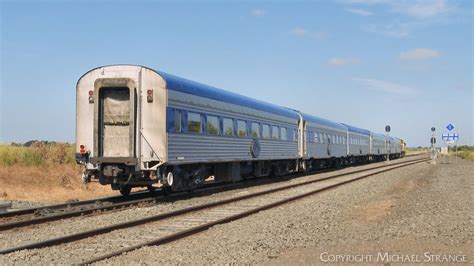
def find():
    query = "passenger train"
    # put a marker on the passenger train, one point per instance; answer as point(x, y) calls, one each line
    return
point(138, 127)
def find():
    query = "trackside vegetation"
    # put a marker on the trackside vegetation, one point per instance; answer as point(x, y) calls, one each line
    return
point(465, 152)
point(37, 153)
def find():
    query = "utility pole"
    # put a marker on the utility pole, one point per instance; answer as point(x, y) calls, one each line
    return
point(433, 142)
point(387, 142)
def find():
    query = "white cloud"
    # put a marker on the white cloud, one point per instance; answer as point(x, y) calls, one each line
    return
point(419, 54)
point(335, 61)
point(396, 29)
point(302, 32)
point(385, 86)
point(259, 12)
point(412, 15)
point(419, 9)
point(422, 9)
point(359, 11)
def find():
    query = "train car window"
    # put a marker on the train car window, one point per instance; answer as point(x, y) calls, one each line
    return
point(177, 120)
point(316, 137)
point(275, 132)
point(295, 136)
point(228, 126)
point(255, 129)
point(194, 122)
point(241, 128)
point(212, 125)
point(292, 134)
point(265, 131)
point(283, 133)
point(333, 139)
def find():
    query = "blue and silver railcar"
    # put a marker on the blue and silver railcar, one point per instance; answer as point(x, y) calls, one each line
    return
point(137, 126)
point(358, 143)
point(324, 141)
point(378, 148)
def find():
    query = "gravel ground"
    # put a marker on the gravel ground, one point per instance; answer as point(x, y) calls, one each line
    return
point(422, 208)
point(280, 234)
point(18, 204)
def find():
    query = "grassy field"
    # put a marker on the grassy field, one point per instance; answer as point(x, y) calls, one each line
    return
point(38, 154)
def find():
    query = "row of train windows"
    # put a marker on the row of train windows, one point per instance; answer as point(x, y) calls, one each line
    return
point(358, 141)
point(231, 127)
point(318, 137)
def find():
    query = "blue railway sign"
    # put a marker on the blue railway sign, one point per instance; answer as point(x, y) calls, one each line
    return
point(449, 136)
point(450, 127)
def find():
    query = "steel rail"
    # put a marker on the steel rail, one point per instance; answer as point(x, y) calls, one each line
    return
point(106, 229)
point(69, 204)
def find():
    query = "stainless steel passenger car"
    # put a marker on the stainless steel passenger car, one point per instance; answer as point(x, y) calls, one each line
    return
point(137, 127)
point(378, 148)
point(324, 142)
point(358, 144)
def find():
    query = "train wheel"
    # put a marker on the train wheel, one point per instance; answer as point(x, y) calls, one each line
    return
point(125, 190)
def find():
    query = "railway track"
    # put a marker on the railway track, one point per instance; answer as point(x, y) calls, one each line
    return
point(168, 227)
point(31, 216)
point(39, 215)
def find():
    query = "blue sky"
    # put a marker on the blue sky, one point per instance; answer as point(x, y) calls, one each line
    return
point(363, 62)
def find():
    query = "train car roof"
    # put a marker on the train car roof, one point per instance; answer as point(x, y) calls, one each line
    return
point(323, 121)
point(377, 134)
point(357, 130)
point(188, 86)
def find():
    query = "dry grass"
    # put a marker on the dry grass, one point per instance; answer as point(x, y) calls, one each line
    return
point(44, 173)
point(410, 151)
point(47, 184)
point(38, 154)
point(467, 154)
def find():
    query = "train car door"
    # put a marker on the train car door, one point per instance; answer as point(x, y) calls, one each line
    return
point(116, 127)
